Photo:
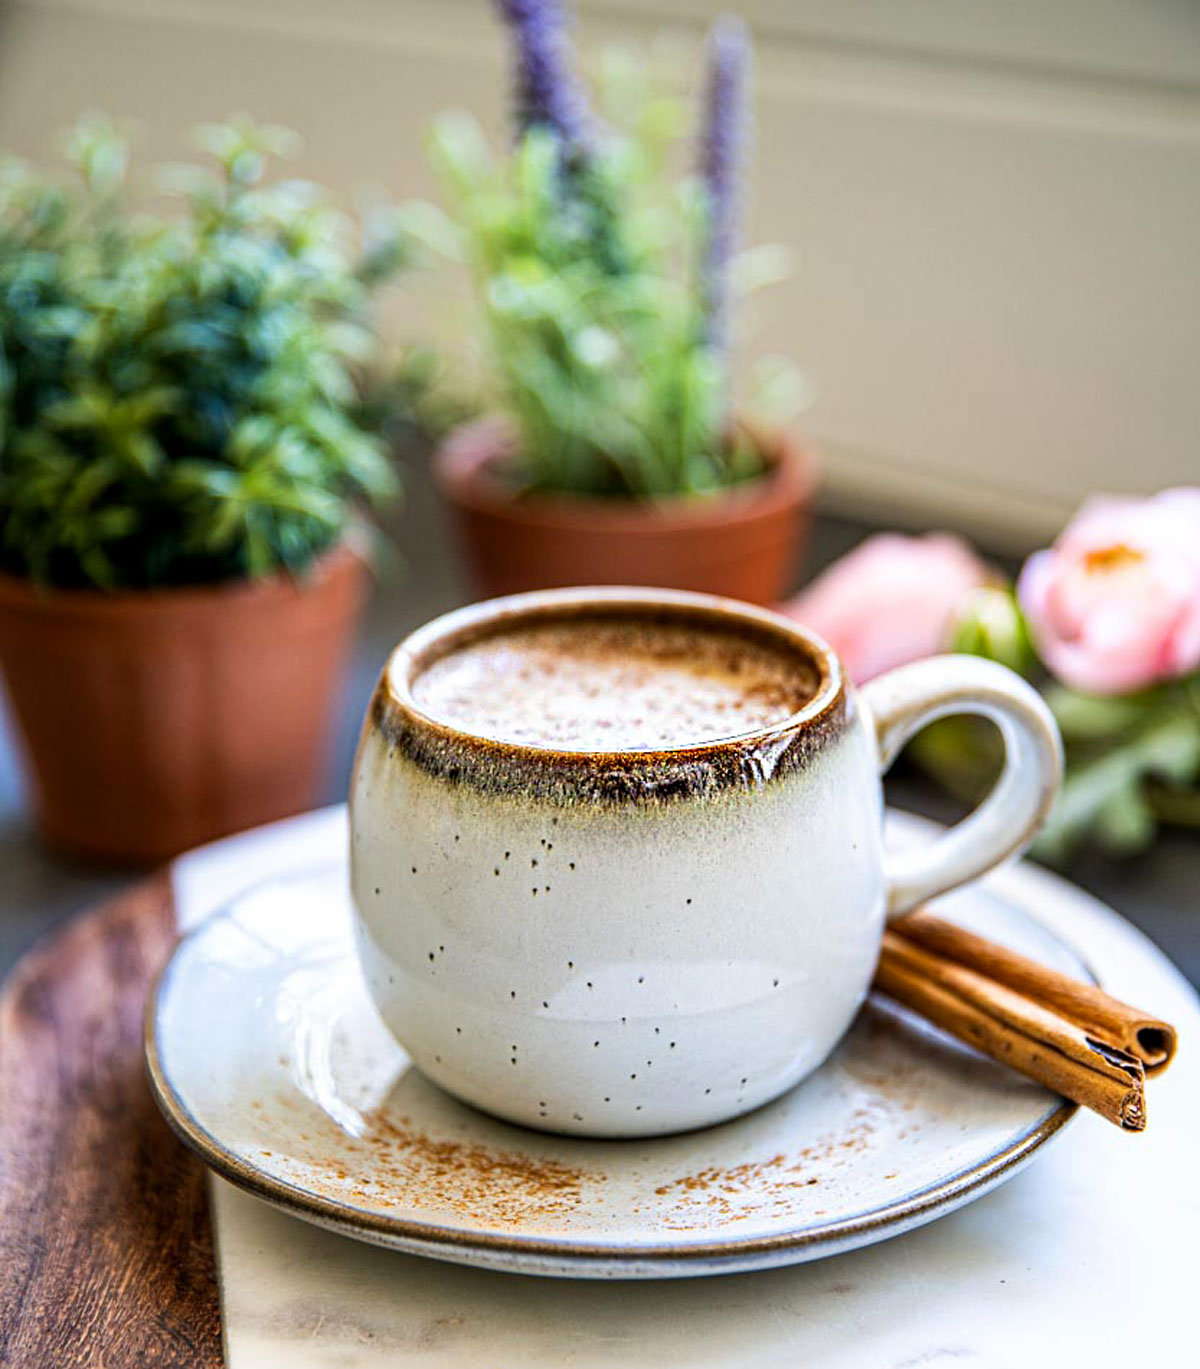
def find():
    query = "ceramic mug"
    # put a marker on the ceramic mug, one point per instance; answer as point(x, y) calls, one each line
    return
point(629, 943)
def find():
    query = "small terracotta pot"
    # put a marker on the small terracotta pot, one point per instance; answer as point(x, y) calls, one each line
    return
point(743, 543)
point(157, 720)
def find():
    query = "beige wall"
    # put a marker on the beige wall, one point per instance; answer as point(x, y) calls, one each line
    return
point(995, 208)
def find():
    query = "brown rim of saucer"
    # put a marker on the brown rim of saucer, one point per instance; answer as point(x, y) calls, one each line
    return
point(744, 760)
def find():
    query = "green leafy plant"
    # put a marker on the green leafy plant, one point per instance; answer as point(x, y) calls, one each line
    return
point(603, 279)
point(1132, 760)
point(178, 393)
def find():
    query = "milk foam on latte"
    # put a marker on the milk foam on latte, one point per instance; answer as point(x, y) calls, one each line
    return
point(614, 684)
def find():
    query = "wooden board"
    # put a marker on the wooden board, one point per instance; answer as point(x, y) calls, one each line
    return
point(106, 1252)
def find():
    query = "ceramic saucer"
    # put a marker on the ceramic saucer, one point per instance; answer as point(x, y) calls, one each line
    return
point(268, 1059)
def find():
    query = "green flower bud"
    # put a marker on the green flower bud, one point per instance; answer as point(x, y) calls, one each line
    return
point(991, 624)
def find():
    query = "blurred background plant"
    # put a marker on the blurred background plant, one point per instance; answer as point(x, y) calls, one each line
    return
point(194, 394)
point(1106, 622)
point(606, 279)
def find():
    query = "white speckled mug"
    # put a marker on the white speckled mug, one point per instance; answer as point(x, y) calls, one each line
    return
point(628, 943)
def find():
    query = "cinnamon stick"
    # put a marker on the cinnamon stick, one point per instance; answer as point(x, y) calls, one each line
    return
point(998, 1021)
point(1148, 1038)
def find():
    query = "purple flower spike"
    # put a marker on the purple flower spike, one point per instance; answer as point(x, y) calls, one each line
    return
point(724, 138)
point(547, 93)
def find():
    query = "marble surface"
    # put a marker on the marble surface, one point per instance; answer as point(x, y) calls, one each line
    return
point(1093, 1243)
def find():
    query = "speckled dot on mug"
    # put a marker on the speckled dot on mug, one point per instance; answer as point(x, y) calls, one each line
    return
point(673, 929)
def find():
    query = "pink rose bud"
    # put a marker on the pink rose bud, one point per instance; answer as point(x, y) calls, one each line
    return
point(893, 599)
point(1114, 605)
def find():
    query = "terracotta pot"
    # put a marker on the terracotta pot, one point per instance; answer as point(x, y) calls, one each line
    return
point(743, 543)
point(161, 719)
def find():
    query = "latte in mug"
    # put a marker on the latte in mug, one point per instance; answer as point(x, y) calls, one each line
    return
point(617, 856)
point(616, 682)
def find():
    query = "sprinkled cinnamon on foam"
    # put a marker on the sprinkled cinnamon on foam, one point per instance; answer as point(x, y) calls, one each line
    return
point(613, 684)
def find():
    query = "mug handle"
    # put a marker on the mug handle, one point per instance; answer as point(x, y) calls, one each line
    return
point(903, 701)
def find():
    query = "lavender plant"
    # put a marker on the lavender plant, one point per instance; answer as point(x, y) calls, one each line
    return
point(605, 281)
point(548, 95)
point(722, 150)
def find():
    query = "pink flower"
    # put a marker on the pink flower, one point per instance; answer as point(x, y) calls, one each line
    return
point(1114, 605)
point(891, 600)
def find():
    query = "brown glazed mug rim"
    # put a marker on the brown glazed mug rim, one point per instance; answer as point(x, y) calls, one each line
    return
point(450, 630)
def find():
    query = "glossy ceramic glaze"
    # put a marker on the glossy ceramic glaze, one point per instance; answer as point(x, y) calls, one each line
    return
point(640, 942)
point(268, 1057)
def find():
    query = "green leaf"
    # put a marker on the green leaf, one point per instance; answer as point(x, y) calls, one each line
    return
point(100, 153)
point(1091, 717)
point(1106, 796)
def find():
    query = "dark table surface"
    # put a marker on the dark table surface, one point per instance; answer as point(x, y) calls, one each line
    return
point(1159, 892)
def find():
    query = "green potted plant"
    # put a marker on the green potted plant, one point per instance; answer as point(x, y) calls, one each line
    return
point(617, 453)
point(183, 474)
